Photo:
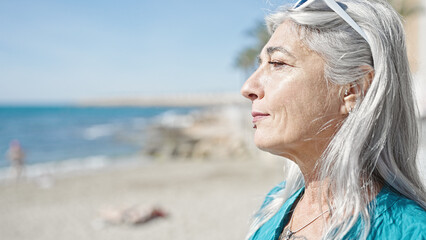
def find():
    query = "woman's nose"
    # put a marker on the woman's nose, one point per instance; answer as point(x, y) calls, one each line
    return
point(252, 88)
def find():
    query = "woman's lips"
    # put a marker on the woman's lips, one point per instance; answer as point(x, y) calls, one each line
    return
point(258, 116)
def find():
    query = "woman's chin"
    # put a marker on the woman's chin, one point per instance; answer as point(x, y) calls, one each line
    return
point(265, 144)
point(260, 141)
point(273, 146)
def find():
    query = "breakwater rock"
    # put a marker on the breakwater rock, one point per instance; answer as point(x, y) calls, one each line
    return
point(217, 132)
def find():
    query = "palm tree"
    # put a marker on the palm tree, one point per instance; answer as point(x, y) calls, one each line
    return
point(247, 58)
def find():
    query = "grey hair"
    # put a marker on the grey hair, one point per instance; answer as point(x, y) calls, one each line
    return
point(378, 142)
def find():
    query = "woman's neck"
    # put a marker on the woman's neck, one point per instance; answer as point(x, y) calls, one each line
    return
point(316, 191)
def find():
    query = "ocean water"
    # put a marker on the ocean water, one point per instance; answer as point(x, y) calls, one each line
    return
point(62, 133)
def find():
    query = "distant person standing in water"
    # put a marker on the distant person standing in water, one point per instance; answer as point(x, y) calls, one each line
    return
point(16, 157)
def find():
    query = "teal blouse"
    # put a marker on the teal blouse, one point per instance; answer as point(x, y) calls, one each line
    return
point(395, 217)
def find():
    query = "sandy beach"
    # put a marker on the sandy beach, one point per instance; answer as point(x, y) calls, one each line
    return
point(204, 200)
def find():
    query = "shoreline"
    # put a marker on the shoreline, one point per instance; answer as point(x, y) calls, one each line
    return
point(72, 167)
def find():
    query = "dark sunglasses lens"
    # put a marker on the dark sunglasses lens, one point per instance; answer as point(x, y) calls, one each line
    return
point(300, 3)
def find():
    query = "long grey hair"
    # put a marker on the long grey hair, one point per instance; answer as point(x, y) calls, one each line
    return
point(377, 143)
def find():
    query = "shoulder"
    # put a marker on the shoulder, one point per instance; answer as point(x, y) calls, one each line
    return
point(271, 219)
point(397, 217)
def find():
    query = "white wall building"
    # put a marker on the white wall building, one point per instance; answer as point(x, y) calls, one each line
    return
point(420, 59)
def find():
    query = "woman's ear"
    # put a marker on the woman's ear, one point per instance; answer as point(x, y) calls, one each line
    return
point(355, 91)
point(350, 97)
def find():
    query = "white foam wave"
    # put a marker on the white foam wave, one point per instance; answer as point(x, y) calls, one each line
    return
point(100, 130)
point(60, 167)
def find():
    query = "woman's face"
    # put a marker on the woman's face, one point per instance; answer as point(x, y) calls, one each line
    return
point(294, 108)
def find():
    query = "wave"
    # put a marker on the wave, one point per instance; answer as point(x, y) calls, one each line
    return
point(99, 131)
point(64, 167)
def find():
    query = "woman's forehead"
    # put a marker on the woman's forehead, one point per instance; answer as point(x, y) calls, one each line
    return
point(287, 39)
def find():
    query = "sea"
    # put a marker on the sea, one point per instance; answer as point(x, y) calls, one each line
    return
point(75, 137)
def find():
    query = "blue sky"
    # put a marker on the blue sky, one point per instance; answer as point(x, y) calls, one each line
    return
point(59, 51)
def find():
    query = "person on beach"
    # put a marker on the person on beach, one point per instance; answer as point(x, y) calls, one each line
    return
point(332, 93)
point(15, 154)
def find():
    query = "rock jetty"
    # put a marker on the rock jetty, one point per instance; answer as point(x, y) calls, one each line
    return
point(220, 132)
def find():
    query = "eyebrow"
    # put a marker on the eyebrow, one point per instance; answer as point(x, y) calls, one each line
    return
point(271, 50)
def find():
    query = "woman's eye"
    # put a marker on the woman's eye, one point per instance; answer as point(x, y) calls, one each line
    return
point(277, 64)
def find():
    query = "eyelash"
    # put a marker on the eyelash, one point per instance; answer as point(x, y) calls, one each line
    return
point(277, 64)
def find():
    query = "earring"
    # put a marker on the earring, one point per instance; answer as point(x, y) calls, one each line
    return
point(346, 92)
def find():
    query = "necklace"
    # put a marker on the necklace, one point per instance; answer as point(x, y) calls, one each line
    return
point(288, 234)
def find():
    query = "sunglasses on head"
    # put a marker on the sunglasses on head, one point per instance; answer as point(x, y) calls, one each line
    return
point(301, 4)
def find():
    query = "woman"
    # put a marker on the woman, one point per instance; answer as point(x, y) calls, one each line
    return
point(333, 94)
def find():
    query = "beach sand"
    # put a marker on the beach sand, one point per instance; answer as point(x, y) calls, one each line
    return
point(204, 200)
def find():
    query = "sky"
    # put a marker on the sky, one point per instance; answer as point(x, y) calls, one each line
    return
point(64, 51)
